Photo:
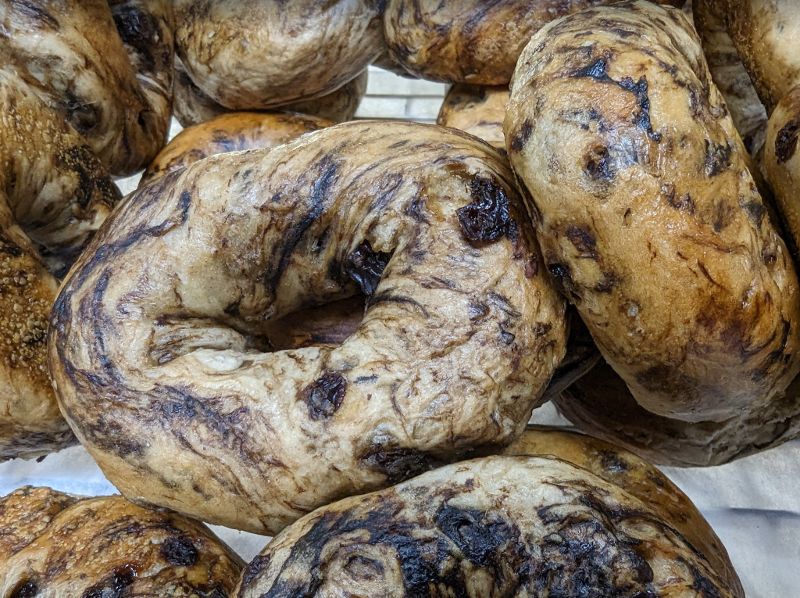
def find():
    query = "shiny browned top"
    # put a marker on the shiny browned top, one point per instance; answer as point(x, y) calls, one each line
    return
point(192, 106)
point(469, 41)
point(258, 54)
point(650, 220)
point(497, 526)
point(230, 132)
point(56, 545)
point(159, 343)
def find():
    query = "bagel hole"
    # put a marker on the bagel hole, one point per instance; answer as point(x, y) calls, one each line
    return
point(329, 325)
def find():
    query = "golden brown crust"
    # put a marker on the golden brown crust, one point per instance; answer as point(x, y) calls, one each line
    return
point(230, 132)
point(498, 526)
point(601, 405)
point(53, 196)
point(159, 370)
point(193, 107)
point(105, 67)
point(650, 220)
point(470, 41)
point(637, 477)
point(477, 110)
point(54, 544)
point(259, 54)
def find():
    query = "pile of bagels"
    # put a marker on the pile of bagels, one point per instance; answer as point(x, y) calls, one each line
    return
point(335, 331)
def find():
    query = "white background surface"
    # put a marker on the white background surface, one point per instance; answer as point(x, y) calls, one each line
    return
point(753, 504)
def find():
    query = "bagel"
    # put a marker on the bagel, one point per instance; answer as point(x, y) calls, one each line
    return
point(193, 107)
point(600, 404)
point(470, 41)
point(230, 132)
point(105, 68)
point(56, 544)
point(503, 526)
point(258, 54)
point(729, 73)
point(650, 220)
point(161, 370)
point(72, 109)
point(477, 110)
point(765, 36)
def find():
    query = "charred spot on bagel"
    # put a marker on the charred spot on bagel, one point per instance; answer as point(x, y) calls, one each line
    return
point(598, 164)
point(684, 203)
point(786, 141)
point(607, 283)
point(25, 589)
point(179, 550)
point(365, 266)
point(81, 161)
point(562, 277)
point(520, 138)
point(487, 218)
point(389, 297)
point(139, 29)
point(324, 396)
point(583, 240)
point(9, 247)
point(113, 586)
point(397, 463)
point(485, 539)
point(717, 157)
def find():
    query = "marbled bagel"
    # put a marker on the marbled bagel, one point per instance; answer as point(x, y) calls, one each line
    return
point(158, 343)
point(84, 93)
point(497, 526)
point(258, 54)
point(650, 220)
point(58, 545)
point(231, 132)
point(469, 41)
point(193, 107)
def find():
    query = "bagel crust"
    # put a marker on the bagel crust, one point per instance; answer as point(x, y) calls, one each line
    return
point(258, 54)
point(650, 220)
point(54, 544)
point(477, 110)
point(193, 107)
point(469, 41)
point(230, 132)
point(498, 526)
point(158, 339)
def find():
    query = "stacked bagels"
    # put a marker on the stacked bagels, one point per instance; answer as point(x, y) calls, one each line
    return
point(335, 331)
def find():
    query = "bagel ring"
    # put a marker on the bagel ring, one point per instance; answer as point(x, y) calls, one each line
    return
point(72, 109)
point(259, 54)
point(505, 526)
point(158, 336)
point(56, 544)
point(648, 163)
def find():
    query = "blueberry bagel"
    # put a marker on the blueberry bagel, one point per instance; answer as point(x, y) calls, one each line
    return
point(505, 526)
point(84, 93)
point(651, 222)
point(55, 544)
point(258, 54)
point(160, 340)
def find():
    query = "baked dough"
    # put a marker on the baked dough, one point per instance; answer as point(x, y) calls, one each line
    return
point(230, 132)
point(497, 526)
point(650, 220)
point(258, 54)
point(192, 106)
point(159, 340)
point(55, 544)
point(477, 110)
point(72, 109)
point(469, 41)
